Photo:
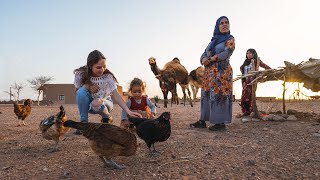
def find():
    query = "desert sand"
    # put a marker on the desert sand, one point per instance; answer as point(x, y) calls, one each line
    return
point(250, 150)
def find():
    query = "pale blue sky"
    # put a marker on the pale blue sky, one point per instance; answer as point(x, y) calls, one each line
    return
point(52, 38)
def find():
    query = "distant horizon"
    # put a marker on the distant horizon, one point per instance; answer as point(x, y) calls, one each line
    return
point(288, 96)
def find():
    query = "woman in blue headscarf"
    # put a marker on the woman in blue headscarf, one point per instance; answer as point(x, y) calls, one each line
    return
point(216, 93)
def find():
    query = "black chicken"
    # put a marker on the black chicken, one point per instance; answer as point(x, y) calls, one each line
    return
point(107, 140)
point(152, 131)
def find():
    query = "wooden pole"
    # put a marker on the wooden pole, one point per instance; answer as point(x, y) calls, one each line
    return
point(10, 94)
point(254, 102)
point(283, 96)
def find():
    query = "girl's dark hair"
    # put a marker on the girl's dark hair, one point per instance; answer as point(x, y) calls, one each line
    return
point(137, 82)
point(86, 70)
point(248, 61)
point(254, 52)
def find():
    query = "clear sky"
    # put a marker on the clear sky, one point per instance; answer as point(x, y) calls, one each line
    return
point(52, 38)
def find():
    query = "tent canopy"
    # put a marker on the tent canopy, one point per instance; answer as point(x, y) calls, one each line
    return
point(305, 72)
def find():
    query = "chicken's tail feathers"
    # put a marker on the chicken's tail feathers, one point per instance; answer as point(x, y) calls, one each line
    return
point(62, 112)
point(76, 125)
point(71, 123)
point(44, 124)
point(61, 108)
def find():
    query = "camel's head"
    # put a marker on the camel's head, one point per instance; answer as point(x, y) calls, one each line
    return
point(152, 61)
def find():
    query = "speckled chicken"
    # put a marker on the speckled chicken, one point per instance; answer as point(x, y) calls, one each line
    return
point(22, 111)
point(52, 128)
point(107, 140)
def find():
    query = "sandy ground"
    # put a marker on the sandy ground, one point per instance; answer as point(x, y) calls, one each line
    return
point(251, 150)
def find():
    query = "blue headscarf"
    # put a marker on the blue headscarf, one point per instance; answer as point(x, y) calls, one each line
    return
point(218, 37)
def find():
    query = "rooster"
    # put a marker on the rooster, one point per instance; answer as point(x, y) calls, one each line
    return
point(22, 111)
point(107, 140)
point(152, 131)
point(52, 128)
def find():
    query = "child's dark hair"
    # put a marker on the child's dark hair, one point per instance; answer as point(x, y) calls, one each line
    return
point(137, 82)
point(86, 71)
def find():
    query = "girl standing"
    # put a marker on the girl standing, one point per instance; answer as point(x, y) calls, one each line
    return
point(252, 63)
point(95, 86)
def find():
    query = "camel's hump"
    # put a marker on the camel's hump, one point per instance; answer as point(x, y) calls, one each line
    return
point(176, 60)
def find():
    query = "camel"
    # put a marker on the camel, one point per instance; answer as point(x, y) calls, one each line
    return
point(171, 74)
point(168, 83)
point(164, 85)
point(195, 80)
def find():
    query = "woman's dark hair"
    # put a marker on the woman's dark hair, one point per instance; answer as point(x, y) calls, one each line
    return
point(86, 70)
point(254, 52)
point(248, 61)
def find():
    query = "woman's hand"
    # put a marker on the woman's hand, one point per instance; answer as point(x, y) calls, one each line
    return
point(207, 61)
point(230, 44)
point(134, 114)
point(118, 99)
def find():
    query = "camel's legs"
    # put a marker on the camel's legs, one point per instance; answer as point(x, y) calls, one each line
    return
point(195, 95)
point(184, 87)
point(184, 94)
point(190, 100)
point(194, 91)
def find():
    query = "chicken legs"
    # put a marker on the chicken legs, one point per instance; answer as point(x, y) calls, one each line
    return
point(110, 163)
point(153, 152)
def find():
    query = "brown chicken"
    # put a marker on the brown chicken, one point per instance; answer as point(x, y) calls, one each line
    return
point(52, 128)
point(22, 111)
point(107, 140)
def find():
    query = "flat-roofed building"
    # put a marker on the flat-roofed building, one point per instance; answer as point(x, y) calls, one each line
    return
point(64, 94)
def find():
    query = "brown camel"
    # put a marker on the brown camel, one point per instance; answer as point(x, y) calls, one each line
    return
point(195, 80)
point(168, 83)
point(164, 85)
point(171, 74)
